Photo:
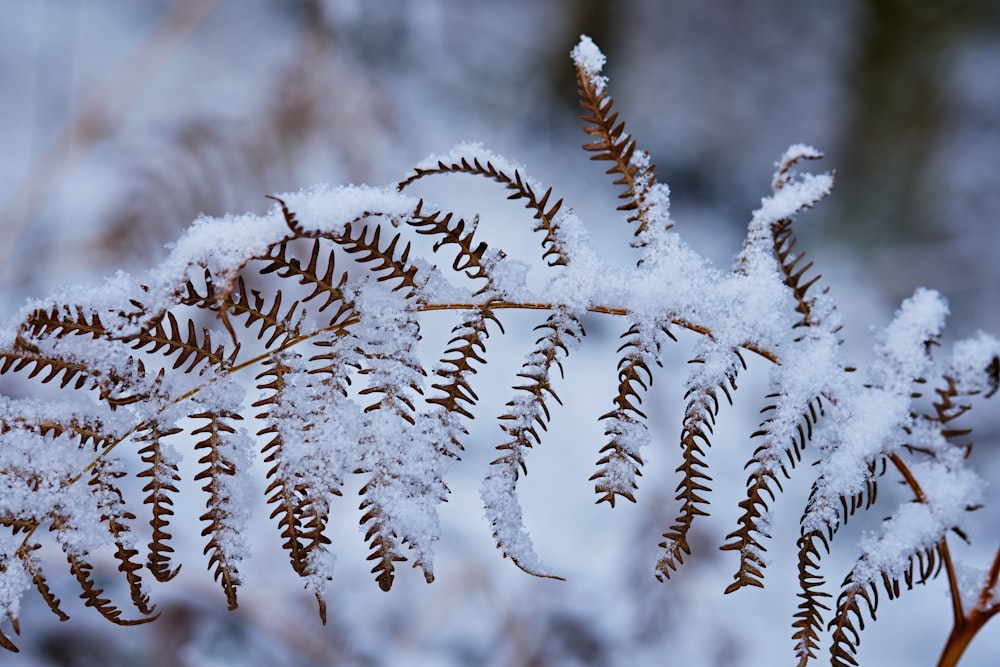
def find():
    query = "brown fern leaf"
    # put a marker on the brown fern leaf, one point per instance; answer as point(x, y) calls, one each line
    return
point(845, 507)
point(216, 467)
point(41, 585)
point(210, 300)
point(91, 594)
point(808, 623)
point(993, 372)
point(621, 462)
point(271, 320)
point(767, 459)
point(783, 237)
point(470, 253)
point(612, 143)
point(6, 643)
point(322, 283)
point(289, 216)
point(381, 542)
point(699, 419)
point(60, 321)
point(528, 411)
point(284, 498)
point(922, 566)
point(795, 275)
point(744, 539)
point(521, 188)
point(849, 622)
point(24, 356)
point(302, 510)
point(158, 338)
point(102, 480)
point(809, 619)
point(466, 347)
point(27, 355)
point(302, 517)
point(949, 405)
point(385, 258)
point(398, 268)
point(395, 375)
point(93, 432)
point(163, 476)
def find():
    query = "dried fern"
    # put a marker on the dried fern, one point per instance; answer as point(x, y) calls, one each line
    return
point(322, 301)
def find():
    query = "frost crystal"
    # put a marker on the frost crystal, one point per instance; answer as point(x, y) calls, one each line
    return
point(589, 58)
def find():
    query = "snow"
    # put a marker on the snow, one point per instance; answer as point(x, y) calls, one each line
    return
point(918, 526)
point(377, 426)
point(589, 58)
point(354, 402)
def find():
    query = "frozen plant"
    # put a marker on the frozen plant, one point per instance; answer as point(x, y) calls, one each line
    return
point(295, 335)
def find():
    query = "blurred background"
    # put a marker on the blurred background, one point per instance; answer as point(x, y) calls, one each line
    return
point(122, 121)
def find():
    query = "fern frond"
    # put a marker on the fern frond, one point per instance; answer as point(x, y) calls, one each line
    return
point(91, 594)
point(921, 566)
point(808, 623)
point(323, 284)
point(62, 320)
point(847, 625)
point(767, 460)
point(466, 347)
point(26, 356)
point(307, 464)
point(197, 349)
point(626, 424)
point(121, 383)
point(24, 570)
point(526, 413)
point(219, 466)
point(698, 424)
point(469, 258)
point(385, 259)
point(253, 307)
point(645, 199)
point(402, 460)
point(529, 411)
point(382, 542)
point(521, 187)
point(341, 389)
point(162, 473)
point(34, 567)
point(283, 492)
point(102, 480)
point(795, 274)
point(86, 431)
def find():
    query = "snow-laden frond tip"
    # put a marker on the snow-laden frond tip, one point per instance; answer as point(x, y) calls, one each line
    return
point(527, 413)
point(647, 201)
point(299, 335)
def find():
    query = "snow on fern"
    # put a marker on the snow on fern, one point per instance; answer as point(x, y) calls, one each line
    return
point(297, 335)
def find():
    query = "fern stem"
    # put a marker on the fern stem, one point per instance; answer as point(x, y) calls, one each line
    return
point(605, 310)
